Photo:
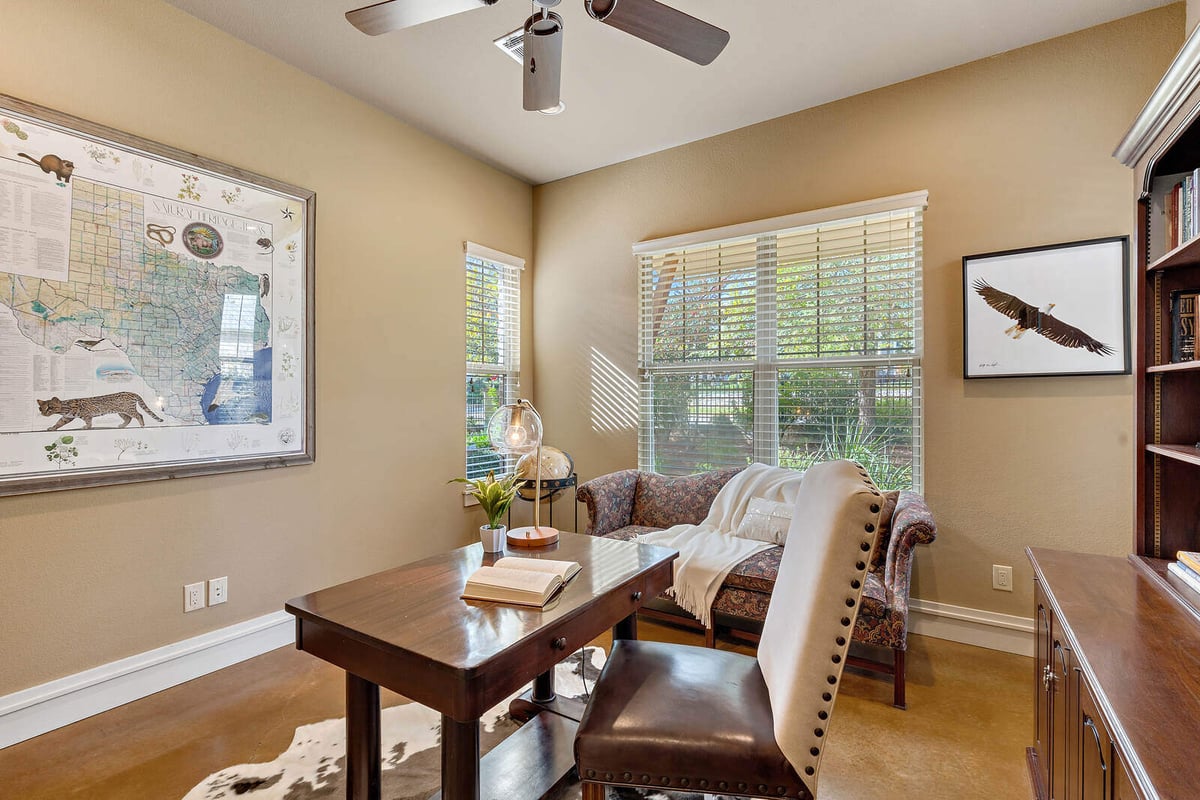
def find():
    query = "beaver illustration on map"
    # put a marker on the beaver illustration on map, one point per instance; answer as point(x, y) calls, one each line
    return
point(52, 163)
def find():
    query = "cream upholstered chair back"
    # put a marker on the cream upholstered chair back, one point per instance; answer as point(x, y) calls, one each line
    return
point(813, 606)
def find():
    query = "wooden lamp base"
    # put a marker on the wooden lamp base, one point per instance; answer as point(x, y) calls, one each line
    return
point(532, 536)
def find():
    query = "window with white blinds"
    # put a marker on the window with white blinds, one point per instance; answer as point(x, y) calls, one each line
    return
point(493, 333)
point(787, 341)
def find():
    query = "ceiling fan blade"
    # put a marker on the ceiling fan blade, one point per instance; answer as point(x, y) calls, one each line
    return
point(661, 25)
point(392, 15)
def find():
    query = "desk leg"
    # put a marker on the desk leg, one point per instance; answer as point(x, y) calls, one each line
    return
point(460, 759)
point(626, 628)
point(543, 687)
point(362, 739)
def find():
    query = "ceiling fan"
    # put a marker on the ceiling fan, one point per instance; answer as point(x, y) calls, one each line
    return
point(648, 20)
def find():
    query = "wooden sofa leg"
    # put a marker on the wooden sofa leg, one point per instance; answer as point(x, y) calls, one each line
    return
point(593, 791)
point(710, 636)
point(898, 679)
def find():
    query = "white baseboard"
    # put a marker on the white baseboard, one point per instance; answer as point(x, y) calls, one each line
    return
point(34, 711)
point(988, 629)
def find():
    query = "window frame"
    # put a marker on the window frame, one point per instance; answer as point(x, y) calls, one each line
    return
point(766, 364)
point(508, 341)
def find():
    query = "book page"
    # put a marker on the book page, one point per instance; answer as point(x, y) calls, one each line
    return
point(523, 579)
point(563, 569)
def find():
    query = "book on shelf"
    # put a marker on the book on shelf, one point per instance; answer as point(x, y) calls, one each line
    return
point(521, 581)
point(1181, 210)
point(1184, 310)
point(1189, 578)
point(1190, 560)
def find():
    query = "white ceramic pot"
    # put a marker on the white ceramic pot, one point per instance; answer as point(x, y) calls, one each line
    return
point(492, 538)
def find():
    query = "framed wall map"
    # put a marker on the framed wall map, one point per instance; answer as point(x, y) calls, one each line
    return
point(156, 310)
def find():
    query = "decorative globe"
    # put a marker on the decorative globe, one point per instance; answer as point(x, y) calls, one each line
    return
point(556, 465)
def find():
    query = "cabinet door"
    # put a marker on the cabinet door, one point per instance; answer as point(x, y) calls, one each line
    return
point(1122, 786)
point(1093, 774)
point(1061, 707)
point(1042, 678)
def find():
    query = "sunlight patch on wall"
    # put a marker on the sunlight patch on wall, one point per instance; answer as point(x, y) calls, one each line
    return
point(614, 396)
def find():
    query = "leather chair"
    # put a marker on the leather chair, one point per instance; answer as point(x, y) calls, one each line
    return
point(676, 717)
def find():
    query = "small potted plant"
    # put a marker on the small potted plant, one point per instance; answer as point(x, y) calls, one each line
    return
point(495, 495)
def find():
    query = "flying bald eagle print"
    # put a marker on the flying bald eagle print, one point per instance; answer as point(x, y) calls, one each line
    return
point(1031, 318)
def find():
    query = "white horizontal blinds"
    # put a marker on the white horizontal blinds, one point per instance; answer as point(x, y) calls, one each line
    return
point(786, 346)
point(493, 354)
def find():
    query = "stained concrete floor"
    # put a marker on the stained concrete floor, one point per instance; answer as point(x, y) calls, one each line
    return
point(963, 736)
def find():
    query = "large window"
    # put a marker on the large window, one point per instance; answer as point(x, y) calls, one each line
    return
point(493, 323)
point(788, 341)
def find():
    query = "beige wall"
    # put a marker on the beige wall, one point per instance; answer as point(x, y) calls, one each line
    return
point(93, 575)
point(1015, 150)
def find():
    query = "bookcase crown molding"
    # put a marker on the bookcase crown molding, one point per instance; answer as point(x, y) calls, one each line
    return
point(1168, 99)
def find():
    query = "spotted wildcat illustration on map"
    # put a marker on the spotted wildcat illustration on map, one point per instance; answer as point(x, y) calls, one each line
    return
point(125, 404)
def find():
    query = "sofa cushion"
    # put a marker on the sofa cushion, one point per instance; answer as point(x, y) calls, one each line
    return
point(660, 501)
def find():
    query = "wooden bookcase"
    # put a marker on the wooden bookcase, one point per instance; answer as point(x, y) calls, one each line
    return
point(1162, 146)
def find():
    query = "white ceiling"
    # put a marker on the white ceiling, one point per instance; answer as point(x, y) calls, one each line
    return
point(626, 98)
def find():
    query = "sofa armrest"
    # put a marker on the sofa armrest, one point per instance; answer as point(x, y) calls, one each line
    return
point(912, 524)
point(609, 500)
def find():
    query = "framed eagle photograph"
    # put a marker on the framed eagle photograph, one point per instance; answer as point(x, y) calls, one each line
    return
point(1061, 309)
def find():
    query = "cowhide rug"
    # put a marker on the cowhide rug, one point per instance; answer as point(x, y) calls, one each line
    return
point(314, 764)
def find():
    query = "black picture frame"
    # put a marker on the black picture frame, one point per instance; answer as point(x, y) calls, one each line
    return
point(1092, 331)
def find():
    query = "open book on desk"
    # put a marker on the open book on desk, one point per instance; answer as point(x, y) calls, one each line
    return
point(521, 581)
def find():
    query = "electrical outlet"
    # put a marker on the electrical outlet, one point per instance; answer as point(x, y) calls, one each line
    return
point(1002, 578)
point(193, 597)
point(218, 591)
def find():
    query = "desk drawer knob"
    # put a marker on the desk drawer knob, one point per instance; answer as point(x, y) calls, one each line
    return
point(560, 643)
point(637, 596)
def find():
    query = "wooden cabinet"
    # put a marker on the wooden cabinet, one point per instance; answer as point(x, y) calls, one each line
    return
point(1116, 683)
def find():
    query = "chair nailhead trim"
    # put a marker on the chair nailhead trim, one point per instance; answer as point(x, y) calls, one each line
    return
point(875, 508)
point(866, 546)
point(850, 602)
point(742, 786)
point(702, 783)
point(841, 640)
point(782, 790)
point(608, 776)
point(816, 751)
point(762, 787)
point(845, 620)
point(837, 659)
point(870, 527)
point(854, 584)
point(628, 776)
point(591, 773)
point(684, 782)
point(645, 779)
point(722, 785)
point(832, 679)
point(860, 565)
point(809, 770)
point(826, 697)
point(818, 732)
point(822, 715)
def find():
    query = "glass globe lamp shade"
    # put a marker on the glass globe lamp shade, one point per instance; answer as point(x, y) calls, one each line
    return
point(515, 428)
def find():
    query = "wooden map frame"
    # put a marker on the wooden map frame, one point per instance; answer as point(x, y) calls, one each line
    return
point(294, 432)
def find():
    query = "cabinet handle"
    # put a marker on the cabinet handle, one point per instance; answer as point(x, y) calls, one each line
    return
point(637, 596)
point(560, 643)
point(1087, 721)
point(1047, 677)
point(1062, 657)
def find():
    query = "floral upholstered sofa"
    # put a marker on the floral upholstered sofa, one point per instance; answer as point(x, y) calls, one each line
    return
point(623, 504)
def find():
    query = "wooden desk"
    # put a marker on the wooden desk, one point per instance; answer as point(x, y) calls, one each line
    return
point(407, 629)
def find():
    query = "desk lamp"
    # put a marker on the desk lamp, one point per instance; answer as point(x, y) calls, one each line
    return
point(516, 428)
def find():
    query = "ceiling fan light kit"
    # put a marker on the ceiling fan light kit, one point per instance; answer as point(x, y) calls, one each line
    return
point(648, 20)
point(543, 61)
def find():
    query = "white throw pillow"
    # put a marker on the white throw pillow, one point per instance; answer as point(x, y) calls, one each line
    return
point(766, 521)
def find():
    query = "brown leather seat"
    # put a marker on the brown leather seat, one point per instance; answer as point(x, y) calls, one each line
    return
point(642, 735)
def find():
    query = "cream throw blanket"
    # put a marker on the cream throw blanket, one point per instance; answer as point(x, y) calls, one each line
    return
point(708, 551)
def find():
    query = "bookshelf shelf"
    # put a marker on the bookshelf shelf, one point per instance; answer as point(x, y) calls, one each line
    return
point(1186, 255)
point(1179, 452)
point(1182, 366)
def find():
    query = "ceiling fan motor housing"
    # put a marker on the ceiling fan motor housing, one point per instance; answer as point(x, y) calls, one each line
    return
point(543, 61)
